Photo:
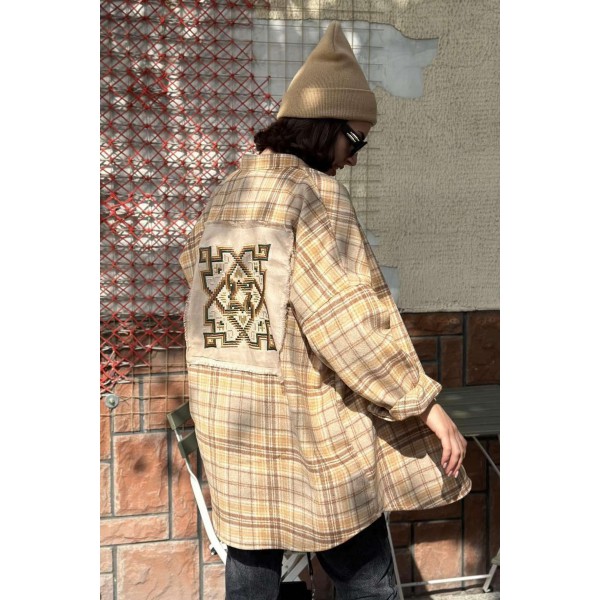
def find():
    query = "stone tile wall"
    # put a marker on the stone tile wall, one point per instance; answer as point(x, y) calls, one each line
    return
point(152, 544)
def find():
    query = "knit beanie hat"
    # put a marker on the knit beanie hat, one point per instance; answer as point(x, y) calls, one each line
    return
point(330, 84)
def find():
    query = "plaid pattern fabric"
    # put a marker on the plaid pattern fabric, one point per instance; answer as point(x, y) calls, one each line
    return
point(305, 456)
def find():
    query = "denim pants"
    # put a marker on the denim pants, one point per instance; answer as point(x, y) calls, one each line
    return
point(361, 568)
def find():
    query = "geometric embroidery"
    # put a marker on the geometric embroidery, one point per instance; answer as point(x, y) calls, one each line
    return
point(236, 309)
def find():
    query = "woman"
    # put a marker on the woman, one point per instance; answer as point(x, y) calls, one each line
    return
point(311, 408)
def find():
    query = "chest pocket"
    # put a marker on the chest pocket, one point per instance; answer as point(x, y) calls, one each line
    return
point(235, 316)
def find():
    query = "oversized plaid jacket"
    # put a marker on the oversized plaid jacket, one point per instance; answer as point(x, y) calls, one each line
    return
point(304, 385)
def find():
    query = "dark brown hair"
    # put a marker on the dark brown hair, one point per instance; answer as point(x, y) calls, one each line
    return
point(312, 140)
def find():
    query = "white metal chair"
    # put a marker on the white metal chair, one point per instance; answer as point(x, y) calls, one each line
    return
point(476, 412)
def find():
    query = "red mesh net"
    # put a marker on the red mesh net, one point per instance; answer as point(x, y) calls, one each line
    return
point(179, 106)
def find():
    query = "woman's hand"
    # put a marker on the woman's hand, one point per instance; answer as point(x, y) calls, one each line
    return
point(454, 444)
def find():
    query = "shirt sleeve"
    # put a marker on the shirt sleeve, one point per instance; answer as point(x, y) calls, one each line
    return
point(356, 330)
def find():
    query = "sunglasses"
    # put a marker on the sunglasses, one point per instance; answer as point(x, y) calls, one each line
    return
point(355, 139)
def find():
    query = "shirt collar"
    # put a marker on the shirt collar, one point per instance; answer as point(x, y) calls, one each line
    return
point(270, 161)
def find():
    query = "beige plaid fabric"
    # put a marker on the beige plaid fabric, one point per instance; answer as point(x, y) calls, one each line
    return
point(304, 385)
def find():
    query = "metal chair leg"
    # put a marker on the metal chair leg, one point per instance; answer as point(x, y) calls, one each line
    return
point(398, 585)
point(495, 565)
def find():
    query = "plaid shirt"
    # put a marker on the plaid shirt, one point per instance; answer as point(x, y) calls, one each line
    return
point(305, 388)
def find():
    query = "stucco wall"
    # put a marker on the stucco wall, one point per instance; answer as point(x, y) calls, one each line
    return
point(427, 186)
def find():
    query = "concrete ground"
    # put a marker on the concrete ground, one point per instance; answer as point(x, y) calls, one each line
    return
point(470, 594)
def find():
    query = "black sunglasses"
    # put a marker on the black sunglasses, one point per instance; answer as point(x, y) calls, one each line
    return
point(354, 138)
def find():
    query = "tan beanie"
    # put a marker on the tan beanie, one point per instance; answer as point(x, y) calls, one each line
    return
point(330, 84)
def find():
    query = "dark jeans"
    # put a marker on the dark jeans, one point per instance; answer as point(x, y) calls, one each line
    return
point(361, 568)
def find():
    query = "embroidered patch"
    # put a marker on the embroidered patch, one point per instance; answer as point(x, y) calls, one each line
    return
point(235, 286)
point(236, 312)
